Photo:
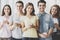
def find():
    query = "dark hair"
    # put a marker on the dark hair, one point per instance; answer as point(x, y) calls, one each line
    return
point(30, 4)
point(20, 2)
point(57, 6)
point(59, 12)
point(41, 1)
point(3, 13)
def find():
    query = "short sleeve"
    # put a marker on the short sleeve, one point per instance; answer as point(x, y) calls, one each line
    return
point(36, 17)
point(22, 18)
point(55, 20)
point(51, 23)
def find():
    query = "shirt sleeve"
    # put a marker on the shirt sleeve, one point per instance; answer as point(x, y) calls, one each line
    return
point(56, 21)
point(51, 24)
point(22, 19)
point(37, 17)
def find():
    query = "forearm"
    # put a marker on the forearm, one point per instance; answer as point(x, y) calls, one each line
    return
point(24, 29)
point(12, 27)
point(58, 28)
point(1, 25)
point(50, 32)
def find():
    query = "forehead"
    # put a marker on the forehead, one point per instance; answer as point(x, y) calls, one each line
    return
point(54, 7)
point(18, 3)
point(42, 4)
point(6, 7)
point(30, 6)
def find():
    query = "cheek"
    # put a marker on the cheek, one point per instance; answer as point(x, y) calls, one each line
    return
point(27, 9)
point(56, 11)
point(17, 7)
point(9, 11)
point(31, 10)
point(21, 7)
point(53, 11)
point(5, 10)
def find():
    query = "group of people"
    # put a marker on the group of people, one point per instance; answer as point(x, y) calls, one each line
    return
point(29, 26)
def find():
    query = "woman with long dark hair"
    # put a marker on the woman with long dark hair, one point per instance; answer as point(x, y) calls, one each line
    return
point(5, 23)
point(30, 24)
point(55, 13)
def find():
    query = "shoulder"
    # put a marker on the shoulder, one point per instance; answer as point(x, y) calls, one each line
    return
point(1, 18)
point(22, 18)
point(36, 17)
point(48, 15)
point(11, 16)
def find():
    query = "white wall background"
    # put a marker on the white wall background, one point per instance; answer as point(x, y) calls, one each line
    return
point(12, 4)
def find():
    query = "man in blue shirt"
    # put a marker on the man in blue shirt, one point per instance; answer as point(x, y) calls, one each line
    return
point(46, 22)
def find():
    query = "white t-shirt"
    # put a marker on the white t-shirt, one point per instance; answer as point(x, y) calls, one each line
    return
point(5, 30)
point(30, 33)
point(55, 20)
point(17, 31)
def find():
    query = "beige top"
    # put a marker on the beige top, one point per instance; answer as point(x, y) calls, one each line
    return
point(31, 33)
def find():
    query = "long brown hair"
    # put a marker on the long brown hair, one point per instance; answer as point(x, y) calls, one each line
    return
point(29, 4)
point(57, 6)
point(59, 12)
point(3, 13)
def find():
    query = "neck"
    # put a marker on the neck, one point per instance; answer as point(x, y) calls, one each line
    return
point(55, 16)
point(28, 13)
point(20, 13)
point(6, 15)
point(41, 12)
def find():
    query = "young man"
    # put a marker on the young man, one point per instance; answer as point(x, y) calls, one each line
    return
point(46, 22)
point(16, 27)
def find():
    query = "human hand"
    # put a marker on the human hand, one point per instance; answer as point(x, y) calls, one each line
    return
point(43, 35)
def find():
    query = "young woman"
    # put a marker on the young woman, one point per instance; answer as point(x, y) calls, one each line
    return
point(30, 23)
point(5, 23)
point(16, 27)
point(55, 13)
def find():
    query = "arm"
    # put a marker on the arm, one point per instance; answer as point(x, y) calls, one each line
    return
point(57, 26)
point(23, 27)
point(18, 25)
point(50, 31)
point(37, 24)
point(51, 25)
point(1, 24)
point(11, 23)
point(11, 26)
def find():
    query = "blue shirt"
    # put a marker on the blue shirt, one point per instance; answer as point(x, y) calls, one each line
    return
point(46, 22)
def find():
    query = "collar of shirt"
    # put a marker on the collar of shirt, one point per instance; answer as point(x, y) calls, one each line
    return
point(42, 14)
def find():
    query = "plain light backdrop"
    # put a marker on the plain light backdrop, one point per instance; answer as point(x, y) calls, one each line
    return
point(12, 3)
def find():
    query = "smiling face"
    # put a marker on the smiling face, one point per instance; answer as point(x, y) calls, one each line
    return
point(29, 9)
point(54, 11)
point(6, 10)
point(19, 6)
point(42, 7)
